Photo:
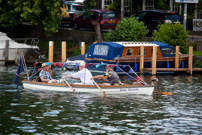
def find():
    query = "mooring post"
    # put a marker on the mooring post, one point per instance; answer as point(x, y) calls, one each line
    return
point(177, 51)
point(82, 48)
point(190, 59)
point(6, 51)
point(63, 51)
point(141, 58)
point(51, 46)
point(154, 60)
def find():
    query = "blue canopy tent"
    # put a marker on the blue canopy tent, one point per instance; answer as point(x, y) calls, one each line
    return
point(107, 50)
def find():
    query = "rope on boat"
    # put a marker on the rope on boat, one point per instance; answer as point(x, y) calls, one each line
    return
point(137, 75)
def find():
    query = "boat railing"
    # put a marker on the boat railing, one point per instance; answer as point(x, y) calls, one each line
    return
point(28, 41)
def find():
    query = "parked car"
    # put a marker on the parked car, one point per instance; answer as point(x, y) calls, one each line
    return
point(152, 18)
point(70, 11)
point(107, 20)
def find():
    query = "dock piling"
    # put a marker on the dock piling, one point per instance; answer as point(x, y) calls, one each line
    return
point(190, 59)
point(154, 60)
point(6, 51)
point(177, 57)
point(141, 58)
point(63, 51)
point(51, 46)
point(82, 48)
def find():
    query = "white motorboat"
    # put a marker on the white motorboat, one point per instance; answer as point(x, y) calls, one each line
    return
point(14, 49)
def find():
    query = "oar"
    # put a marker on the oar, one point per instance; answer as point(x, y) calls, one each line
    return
point(70, 86)
point(164, 93)
point(99, 88)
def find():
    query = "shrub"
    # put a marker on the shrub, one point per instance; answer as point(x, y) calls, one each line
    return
point(129, 29)
point(172, 34)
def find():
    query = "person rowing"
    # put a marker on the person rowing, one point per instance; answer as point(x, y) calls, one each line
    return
point(84, 74)
point(110, 75)
point(45, 76)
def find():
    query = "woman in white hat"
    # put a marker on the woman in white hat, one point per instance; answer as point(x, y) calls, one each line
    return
point(84, 74)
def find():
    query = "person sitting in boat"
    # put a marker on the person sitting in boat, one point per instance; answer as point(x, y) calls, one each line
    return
point(110, 75)
point(84, 74)
point(45, 76)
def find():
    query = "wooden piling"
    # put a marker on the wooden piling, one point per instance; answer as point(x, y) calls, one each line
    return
point(154, 60)
point(51, 46)
point(141, 58)
point(63, 51)
point(82, 48)
point(177, 56)
point(190, 60)
point(6, 51)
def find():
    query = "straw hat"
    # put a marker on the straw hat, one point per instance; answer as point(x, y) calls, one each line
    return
point(82, 64)
point(44, 65)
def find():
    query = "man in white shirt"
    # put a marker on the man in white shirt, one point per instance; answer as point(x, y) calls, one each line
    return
point(84, 75)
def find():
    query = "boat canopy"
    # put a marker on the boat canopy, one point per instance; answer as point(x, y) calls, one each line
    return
point(106, 50)
point(167, 50)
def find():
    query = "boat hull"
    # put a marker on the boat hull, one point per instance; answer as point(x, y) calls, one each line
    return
point(123, 89)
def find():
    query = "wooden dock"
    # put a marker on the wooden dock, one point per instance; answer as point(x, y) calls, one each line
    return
point(154, 70)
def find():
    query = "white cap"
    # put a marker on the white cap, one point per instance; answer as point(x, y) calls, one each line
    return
point(82, 64)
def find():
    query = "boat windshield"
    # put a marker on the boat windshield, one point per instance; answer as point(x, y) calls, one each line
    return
point(168, 51)
point(101, 50)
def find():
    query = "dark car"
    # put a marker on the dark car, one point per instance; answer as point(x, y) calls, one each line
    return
point(107, 19)
point(70, 11)
point(152, 18)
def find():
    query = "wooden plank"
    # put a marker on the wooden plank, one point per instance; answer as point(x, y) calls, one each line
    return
point(50, 56)
point(197, 69)
point(177, 57)
point(167, 69)
point(64, 51)
point(141, 58)
point(190, 59)
point(154, 60)
point(82, 48)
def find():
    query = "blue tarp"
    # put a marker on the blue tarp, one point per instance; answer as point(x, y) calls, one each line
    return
point(164, 45)
point(108, 51)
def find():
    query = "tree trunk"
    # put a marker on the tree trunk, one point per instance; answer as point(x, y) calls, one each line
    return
point(38, 31)
point(96, 25)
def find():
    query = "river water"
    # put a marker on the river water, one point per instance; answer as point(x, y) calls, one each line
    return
point(40, 113)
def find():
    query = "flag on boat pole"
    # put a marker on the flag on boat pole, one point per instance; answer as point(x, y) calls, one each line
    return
point(19, 70)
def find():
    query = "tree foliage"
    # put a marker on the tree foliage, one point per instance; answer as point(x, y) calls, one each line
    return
point(172, 34)
point(42, 13)
point(115, 6)
point(89, 4)
point(129, 29)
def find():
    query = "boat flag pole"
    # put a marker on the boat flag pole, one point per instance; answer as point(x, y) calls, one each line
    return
point(25, 64)
point(104, 94)
point(69, 86)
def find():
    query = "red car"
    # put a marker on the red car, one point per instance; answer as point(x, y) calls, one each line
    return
point(106, 18)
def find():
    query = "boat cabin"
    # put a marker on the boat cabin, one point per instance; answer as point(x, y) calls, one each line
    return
point(112, 50)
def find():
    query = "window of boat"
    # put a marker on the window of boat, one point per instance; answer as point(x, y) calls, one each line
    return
point(168, 51)
point(156, 52)
point(139, 51)
point(101, 50)
point(129, 52)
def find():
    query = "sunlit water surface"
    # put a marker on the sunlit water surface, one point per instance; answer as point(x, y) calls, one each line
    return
point(40, 113)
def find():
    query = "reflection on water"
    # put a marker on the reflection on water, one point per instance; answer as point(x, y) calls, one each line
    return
point(39, 113)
